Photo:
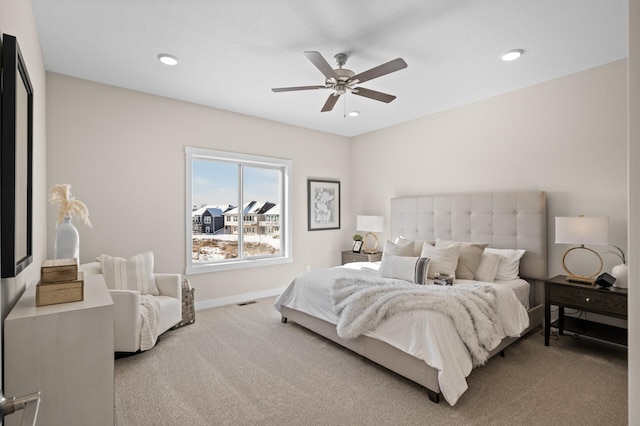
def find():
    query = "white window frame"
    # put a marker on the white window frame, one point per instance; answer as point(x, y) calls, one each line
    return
point(286, 246)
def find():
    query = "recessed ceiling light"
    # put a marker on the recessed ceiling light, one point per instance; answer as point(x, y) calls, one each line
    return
point(354, 113)
point(511, 55)
point(167, 59)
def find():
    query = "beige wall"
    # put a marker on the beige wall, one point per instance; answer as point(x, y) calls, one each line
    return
point(123, 154)
point(566, 137)
point(16, 19)
point(634, 211)
point(122, 151)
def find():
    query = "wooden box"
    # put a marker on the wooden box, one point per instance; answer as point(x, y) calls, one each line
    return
point(59, 270)
point(60, 292)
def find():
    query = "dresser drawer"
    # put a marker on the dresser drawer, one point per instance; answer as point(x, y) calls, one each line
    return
point(589, 299)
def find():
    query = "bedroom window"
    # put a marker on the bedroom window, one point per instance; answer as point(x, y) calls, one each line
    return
point(245, 199)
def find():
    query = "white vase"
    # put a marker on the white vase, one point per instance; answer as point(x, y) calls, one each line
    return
point(67, 243)
point(620, 273)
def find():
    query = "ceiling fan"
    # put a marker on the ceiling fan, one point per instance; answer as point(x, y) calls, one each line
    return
point(342, 80)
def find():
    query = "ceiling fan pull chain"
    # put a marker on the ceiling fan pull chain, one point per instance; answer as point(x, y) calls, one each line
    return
point(344, 112)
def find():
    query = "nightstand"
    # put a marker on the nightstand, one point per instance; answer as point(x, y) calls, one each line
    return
point(610, 301)
point(348, 257)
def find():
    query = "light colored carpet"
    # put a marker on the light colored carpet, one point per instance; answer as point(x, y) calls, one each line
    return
point(239, 365)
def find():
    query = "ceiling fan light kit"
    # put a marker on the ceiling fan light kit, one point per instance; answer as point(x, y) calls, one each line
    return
point(343, 80)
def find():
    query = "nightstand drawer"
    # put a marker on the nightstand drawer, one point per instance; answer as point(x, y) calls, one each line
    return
point(589, 299)
point(349, 257)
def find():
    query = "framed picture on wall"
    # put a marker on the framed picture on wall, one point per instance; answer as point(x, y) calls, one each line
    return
point(323, 201)
point(16, 156)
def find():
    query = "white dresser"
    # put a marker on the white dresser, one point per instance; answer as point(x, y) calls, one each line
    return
point(66, 352)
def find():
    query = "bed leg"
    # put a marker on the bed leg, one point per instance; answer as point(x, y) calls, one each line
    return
point(433, 396)
point(284, 320)
point(502, 353)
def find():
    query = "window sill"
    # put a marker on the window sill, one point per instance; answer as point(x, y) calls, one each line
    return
point(237, 264)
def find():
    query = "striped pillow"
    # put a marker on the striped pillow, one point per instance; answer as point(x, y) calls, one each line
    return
point(135, 273)
point(412, 269)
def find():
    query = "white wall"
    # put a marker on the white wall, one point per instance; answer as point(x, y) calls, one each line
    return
point(16, 19)
point(123, 154)
point(566, 137)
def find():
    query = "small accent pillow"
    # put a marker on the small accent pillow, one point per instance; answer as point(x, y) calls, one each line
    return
point(412, 269)
point(135, 273)
point(487, 267)
point(417, 244)
point(468, 259)
point(443, 260)
point(404, 248)
point(509, 266)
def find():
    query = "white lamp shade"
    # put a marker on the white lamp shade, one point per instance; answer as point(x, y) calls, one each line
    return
point(370, 223)
point(582, 230)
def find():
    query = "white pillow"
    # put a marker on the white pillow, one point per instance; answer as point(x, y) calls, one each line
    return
point(443, 260)
point(402, 248)
point(417, 244)
point(135, 273)
point(468, 258)
point(412, 269)
point(487, 267)
point(509, 266)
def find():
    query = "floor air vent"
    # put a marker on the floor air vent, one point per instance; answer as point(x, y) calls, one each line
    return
point(247, 303)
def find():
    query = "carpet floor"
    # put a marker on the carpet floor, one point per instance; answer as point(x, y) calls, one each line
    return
point(239, 365)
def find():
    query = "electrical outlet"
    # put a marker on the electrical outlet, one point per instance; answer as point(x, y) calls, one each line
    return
point(308, 268)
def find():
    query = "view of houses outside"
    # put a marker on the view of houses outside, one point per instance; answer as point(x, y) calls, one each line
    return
point(216, 217)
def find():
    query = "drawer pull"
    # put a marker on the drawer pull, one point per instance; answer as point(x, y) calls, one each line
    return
point(587, 299)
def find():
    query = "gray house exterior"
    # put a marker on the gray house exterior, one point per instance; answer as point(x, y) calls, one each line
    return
point(209, 219)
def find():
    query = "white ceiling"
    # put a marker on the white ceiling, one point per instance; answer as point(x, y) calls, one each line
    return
point(233, 52)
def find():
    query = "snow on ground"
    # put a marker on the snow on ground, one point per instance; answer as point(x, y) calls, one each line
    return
point(207, 248)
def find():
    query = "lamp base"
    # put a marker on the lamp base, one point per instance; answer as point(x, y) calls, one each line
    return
point(368, 248)
point(582, 280)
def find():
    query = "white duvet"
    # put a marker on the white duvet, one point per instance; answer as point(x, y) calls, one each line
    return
point(426, 335)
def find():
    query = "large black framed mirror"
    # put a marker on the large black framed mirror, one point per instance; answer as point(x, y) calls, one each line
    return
point(16, 159)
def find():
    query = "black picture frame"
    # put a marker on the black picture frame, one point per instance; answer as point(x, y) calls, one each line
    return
point(16, 159)
point(323, 202)
point(357, 246)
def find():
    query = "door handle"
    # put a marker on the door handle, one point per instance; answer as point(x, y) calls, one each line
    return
point(28, 403)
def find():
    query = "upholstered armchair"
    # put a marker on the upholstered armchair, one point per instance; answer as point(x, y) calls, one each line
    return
point(132, 307)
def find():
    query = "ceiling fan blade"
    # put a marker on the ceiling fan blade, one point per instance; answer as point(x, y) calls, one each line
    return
point(380, 70)
point(321, 63)
point(331, 101)
point(291, 89)
point(372, 94)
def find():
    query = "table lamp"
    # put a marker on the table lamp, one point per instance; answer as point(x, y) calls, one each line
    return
point(582, 230)
point(370, 224)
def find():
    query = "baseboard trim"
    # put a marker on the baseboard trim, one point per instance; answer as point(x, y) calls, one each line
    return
point(239, 298)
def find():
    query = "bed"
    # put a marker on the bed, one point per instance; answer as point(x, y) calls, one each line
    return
point(424, 346)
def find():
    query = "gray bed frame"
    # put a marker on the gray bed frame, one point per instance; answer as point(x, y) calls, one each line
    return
point(502, 219)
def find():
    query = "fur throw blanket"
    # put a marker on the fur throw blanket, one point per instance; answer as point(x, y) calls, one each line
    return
point(150, 313)
point(361, 304)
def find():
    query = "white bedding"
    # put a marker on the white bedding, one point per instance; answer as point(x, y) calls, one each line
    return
point(426, 335)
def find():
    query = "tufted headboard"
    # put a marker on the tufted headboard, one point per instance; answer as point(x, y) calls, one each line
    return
point(502, 219)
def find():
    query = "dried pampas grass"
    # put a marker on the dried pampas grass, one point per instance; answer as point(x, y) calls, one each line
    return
point(67, 205)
